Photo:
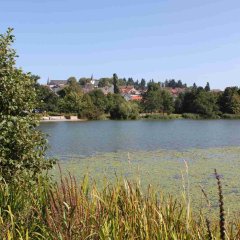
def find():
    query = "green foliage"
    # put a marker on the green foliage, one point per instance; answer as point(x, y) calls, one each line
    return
point(22, 146)
point(83, 81)
point(229, 101)
point(115, 84)
point(47, 100)
point(205, 104)
point(163, 117)
point(125, 110)
point(158, 100)
point(105, 82)
point(207, 87)
point(122, 210)
point(88, 109)
point(99, 100)
point(71, 101)
point(172, 83)
point(193, 116)
point(198, 101)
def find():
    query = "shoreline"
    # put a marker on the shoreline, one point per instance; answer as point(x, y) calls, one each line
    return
point(64, 120)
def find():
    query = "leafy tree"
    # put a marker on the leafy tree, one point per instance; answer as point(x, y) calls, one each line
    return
point(71, 79)
point(105, 82)
point(194, 87)
point(125, 110)
point(235, 103)
point(205, 104)
point(158, 100)
point(113, 100)
point(174, 84)
point(179, 103)
point(88, 109)
point(122, 82)
point(187, 101)
point(83, 81)
point(22, 146)
point(143, 84)
point(47, 100)
point(130, 82)
point(99, 100)
point(167, 102)
point(115, 84)
point(207, 87)
point(136, 84)
point(152, 86)
point(152, 101)
point(72, 98)
point(228, 100)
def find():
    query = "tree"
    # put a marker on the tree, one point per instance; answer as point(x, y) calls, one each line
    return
point(152, 86)
point(205, 103)
point(88, 109)
point(125, 110)
point(179, 103)
point(130, 82)
point(104, 82)
point(228, 100)
point(207, 87)
point(143, 84)
point(194, 87)
point(152, 101)
point(47, 100)
point(235, 103)
point(115, 84)
point(71, 97)
point(167, 102)
point(22, 146)
point(71, 79)
point(83, 81)
point(99, 100)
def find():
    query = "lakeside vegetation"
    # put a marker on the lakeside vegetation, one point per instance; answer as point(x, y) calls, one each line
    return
point(34, 206)
point(191, 103)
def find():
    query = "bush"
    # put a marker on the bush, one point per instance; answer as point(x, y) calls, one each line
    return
point(230, 116)
point(125, 110)
point(163, 117)
point(22, 146)
point(192, 116)
point(115, 211)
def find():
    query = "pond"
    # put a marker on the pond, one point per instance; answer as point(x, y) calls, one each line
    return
point(93, 137)
point(153, 152)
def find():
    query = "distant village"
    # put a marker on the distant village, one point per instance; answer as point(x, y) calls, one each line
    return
point(129, 92)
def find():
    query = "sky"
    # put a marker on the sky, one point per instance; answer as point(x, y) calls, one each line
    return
point(192, 40)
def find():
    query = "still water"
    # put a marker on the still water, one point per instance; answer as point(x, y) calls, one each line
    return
point(153, 152)
point(94, 137)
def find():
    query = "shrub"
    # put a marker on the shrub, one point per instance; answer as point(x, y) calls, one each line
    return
point(22, 146)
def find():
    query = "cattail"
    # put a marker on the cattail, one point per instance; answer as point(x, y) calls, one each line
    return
point(221, 208)
point(209, 229)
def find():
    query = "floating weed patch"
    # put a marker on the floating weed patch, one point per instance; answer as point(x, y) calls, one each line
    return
point(163, 169)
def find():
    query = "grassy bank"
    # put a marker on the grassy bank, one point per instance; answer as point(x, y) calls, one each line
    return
point(71, 210)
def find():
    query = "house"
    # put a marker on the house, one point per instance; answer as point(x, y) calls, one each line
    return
point(88, 88)
point(52, 83)
point(106, 90)
point(56, 85)
point(175, 91)
point(129, 90)
point(136, 97)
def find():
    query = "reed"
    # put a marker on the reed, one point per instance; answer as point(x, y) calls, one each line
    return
point(120, 210)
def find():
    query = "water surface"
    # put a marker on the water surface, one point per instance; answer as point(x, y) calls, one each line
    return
point(153, 152)
point(93, 137)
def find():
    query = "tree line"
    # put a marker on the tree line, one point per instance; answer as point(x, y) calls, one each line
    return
point(156, 98)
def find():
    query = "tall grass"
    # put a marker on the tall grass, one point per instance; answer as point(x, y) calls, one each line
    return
point(69, 210)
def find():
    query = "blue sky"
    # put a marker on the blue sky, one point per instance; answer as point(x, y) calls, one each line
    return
point(192, 40)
